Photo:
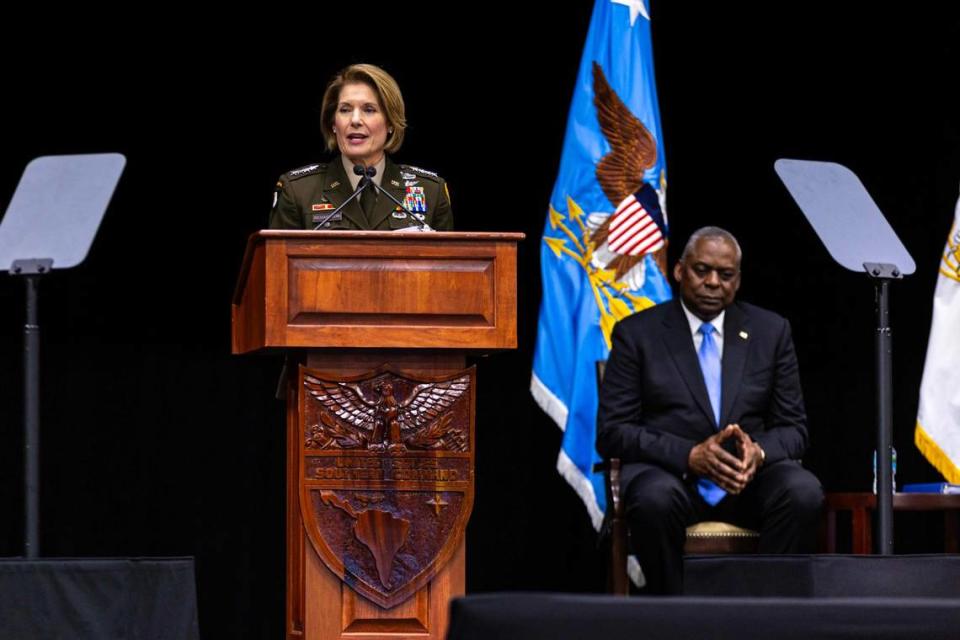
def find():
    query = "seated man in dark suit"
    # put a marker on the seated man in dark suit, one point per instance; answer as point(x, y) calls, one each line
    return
point(701, 401)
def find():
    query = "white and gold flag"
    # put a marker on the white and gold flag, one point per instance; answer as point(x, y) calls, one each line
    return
point(938, 419)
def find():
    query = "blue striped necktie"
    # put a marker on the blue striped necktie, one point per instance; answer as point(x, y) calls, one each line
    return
point(709, 356)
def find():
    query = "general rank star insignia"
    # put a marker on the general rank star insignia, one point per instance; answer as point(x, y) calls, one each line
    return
point(304, 170)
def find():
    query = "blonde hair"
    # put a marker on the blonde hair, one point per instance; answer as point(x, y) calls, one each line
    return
point(388, 94)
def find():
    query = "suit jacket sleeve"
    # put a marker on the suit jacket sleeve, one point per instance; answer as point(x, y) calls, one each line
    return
point(785, 426)
point(621, 429)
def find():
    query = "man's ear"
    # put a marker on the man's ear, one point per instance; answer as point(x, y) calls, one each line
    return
point(677, 271)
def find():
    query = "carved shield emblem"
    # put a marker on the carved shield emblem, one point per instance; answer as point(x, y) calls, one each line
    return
point(386, 475)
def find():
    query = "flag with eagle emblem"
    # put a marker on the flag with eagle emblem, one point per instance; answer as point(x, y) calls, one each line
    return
point(603, 255)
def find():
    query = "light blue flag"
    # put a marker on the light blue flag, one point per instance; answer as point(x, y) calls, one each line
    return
point(605, 233)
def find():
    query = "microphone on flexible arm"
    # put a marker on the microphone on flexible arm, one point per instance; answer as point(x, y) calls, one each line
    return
point(364, 181)
point(369, 172)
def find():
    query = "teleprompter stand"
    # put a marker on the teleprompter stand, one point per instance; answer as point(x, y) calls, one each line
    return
point(859, 238)
point(50, 224)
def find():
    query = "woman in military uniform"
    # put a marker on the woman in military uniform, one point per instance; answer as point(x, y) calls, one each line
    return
point(363, 116)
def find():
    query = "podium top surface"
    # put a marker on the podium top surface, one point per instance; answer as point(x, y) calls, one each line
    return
point(366, 236)
point(375, 289)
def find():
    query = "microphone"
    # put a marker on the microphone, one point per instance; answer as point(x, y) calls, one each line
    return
point(364, 181)
point(372, 171)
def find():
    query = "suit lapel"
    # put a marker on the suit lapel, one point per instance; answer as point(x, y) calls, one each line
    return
point(337, 189)
point(680, 346)
point(385, 206)
point(736, 343)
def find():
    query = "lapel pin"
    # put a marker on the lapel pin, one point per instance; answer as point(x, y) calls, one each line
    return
point(395, 183)
point(743, 334)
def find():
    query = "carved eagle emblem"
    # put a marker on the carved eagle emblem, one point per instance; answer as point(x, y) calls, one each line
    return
point(377, 420)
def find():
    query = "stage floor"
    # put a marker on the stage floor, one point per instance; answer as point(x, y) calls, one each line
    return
point(98, 598)
point(741, 597)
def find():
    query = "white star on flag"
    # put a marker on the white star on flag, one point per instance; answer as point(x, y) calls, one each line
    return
point(636, 7)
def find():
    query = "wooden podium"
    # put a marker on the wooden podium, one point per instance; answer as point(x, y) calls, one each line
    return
point(380, 413)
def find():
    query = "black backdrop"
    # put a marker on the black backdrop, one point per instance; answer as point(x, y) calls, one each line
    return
point(156, 441)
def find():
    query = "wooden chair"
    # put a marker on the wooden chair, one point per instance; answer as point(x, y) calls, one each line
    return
point(703, 538)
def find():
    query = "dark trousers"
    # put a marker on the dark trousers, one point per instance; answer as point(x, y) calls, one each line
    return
point(782, 502)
